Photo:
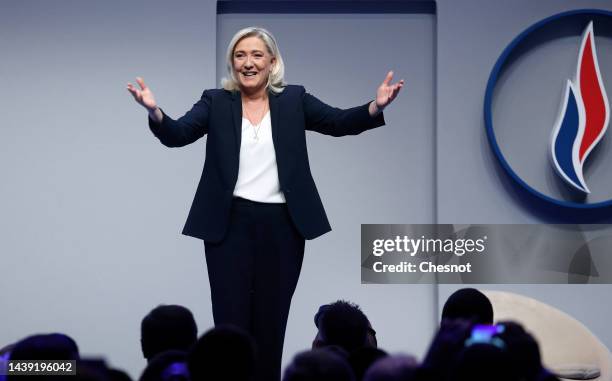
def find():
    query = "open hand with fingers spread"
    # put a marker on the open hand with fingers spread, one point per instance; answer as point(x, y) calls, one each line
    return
point(144, 96)
point(385, 94)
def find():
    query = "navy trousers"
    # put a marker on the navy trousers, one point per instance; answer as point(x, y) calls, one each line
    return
point(253, 273)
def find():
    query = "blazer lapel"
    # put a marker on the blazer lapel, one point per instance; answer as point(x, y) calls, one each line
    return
point(237, 117)
point(273, 101)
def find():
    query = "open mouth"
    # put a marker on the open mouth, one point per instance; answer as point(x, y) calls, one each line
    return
point(249, 73)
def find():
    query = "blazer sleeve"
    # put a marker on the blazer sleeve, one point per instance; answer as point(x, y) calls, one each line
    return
point(333, 121)
point(186, 129)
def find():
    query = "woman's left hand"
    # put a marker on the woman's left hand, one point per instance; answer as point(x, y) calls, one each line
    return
point(385, 94)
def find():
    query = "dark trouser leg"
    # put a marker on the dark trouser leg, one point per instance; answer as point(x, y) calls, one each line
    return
point(278, 262)
point(253, 273)
point(230, 272)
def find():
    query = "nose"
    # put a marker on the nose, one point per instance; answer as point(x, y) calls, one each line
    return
point(248, 64)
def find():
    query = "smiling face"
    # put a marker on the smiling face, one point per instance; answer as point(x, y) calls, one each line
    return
point(252, 64)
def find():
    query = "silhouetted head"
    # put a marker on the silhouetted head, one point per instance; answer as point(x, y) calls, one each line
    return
point(223, 353)
point(167, 366)
point(53, 346)
point(468, 304)
point(392, 368)
point(362, 358)
point(318, 365)
point(167, 327)
point(343, 324)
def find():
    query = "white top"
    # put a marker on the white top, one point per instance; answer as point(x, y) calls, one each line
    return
point(257, 171)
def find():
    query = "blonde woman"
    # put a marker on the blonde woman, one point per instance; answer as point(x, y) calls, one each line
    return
point(256, 202)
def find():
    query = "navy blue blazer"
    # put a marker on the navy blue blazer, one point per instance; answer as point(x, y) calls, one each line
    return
point(219, 114)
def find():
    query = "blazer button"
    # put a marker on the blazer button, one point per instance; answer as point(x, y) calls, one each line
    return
point(287, 191)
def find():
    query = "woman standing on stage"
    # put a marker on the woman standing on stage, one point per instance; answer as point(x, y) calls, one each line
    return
point(256, 202)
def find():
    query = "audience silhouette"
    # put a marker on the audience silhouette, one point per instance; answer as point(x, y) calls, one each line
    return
point(167, 327)
point(342, 323)
point(320, 364)
point(392, 368)
point(167, 366)
point(467, 346)
point(468, 304)
point(223, 353)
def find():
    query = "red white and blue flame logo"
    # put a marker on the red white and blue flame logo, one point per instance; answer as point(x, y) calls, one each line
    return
point(583, 118)
point(580, 177)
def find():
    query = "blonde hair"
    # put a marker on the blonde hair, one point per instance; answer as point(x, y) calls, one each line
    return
point(276, 81)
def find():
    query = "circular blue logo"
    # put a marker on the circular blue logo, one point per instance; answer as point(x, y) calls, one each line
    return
point(547, 110)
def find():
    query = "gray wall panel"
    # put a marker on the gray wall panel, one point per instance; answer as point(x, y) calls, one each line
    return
point(91, 203)
point(471, 36)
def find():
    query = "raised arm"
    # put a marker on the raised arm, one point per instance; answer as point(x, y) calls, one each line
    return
point(333, 121)
point(173, 133)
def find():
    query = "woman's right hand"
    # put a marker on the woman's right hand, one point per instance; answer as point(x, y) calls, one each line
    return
point(144, 96)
